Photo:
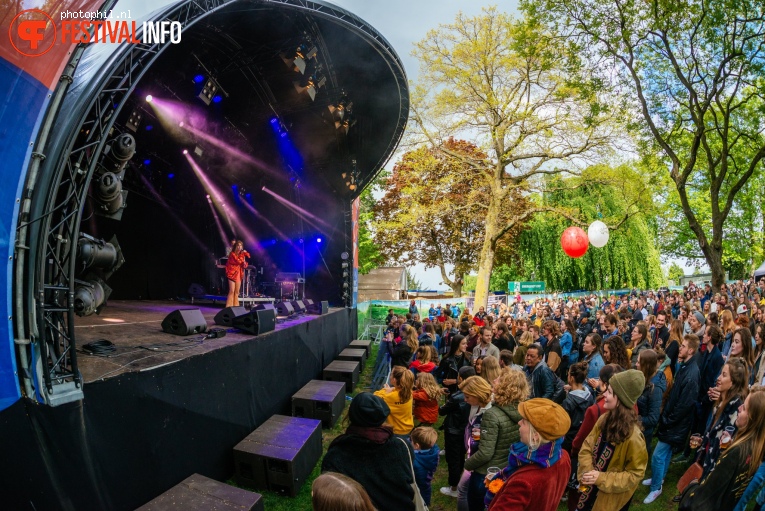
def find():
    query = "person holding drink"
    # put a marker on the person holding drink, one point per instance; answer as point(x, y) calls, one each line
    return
point(477, 392)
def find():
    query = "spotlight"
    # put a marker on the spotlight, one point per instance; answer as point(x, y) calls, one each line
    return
point(107, 184)
point(149, 98)
point(318, 240)
point(149, 127)
point(134, 120)
point(198, 150)
point(283, 134)
point(217, 98)
point(90, 296)
point(146, 161)
point(209, 91)
point(264, 188)
point(199, 79)
point(180, 124)
point(98, 254)
point(185, 151)
point(170, 176)
point(298, 61)
point(208, 195)
point(274, 120)
point(248, 195)
point(345, 265)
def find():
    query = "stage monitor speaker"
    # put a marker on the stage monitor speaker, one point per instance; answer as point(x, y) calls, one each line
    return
point(298, 305)
point(320, 308)
point(284, 309)
point(184, 322)
point(308, 302)
point(264, 307)
point(256, 321)
point(227, 315)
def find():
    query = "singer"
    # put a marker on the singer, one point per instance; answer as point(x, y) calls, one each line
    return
point(235, 272)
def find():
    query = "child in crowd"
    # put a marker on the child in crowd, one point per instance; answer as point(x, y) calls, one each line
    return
point(336, 492)
point(457, 413)
point(423, 363)
point(425, 398)
point(425, 459)
point(398, 397)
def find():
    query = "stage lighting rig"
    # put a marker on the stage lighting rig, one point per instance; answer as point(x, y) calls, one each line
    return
point(340, 110)
point(351, 178)
point(99, 255)
point(311, 82)
point(110, 171)
point(90, 296)
point(301, 56)
point(134, 120)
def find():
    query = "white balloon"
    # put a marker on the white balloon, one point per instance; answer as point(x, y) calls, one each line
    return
point(598, 234)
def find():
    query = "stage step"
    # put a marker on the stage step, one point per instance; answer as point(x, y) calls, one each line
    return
point(321, 400)
point(200, 493)
point(279, 455)
point(359, 344)
point(359, 355)
point(344, 371)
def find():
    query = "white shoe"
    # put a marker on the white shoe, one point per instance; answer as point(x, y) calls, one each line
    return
point(646, 482)
point(442, 452)
point(446, 490)
point(652, 496)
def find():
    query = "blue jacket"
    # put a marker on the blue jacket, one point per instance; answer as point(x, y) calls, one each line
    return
point(425, 464)
point(649, 403)
point(566, 342)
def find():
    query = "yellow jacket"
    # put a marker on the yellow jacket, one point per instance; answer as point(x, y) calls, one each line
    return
point(622, 477)
point(401, 418)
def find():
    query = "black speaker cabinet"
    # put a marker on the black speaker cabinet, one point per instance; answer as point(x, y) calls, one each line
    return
point(200, 493)
point(321, 400)
point(264, 306)
point(298, 305)
point(279, 455)
point(256, 321)
point(319, 308)
point(284, 309)
point(227, 315)
point(185, 322)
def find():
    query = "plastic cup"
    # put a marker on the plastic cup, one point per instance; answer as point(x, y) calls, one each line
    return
point(695, 441)
point(491, 472)
point(476, 432)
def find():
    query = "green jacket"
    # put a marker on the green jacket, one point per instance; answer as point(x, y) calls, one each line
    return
point(499, 430)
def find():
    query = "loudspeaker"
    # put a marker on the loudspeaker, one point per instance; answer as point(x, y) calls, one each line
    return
point(227, 315)
point(298, 306)
point(256, 321)
point(264, 307)
point(185, 322)
point(319, 308)
point(284, 309)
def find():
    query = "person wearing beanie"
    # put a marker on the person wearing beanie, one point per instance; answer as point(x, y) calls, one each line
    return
point(369, 453)
point(537, 468)
point(616, 446)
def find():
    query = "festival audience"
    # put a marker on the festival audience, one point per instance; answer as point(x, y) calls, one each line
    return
point(425, 397)
point(398, 397)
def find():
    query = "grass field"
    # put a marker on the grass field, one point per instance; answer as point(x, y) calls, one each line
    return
point(302, 502)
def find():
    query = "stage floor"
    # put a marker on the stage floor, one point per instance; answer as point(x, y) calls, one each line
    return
point(134, 327)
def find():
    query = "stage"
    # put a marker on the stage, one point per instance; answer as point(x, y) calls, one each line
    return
point(150, 419)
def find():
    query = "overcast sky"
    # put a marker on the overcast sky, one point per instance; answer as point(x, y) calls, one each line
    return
point(404, 22)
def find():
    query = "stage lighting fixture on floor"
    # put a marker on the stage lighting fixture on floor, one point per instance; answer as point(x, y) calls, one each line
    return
point(110, 171)
point(134, 120)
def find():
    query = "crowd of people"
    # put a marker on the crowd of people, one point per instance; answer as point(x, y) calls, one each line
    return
point(559, 400)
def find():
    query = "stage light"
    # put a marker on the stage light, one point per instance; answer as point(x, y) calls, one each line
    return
point(318, 240)
point(107, 183)
point(134, 120)
point(283, 134)
point(344, 256)
point(198, 150)
point(234, 187)
point(149, 127)
point(298, 60)
point(185, 151)
point(98, 254)
point(90, 296)
point(199, 79)
point(170, 176)
point(209, 91)
point(217, 98)
point(149, 98)
point(180, 124)
point(249, 195)
point(146, 161)
point(345, 265)
point(274, 120)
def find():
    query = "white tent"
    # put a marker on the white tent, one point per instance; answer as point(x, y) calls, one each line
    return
point(386, 283)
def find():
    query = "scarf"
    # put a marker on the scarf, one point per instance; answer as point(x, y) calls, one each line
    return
point(520, 455)
point(378, 435)
point(602, 453)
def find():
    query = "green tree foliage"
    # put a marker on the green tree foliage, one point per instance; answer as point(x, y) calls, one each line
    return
point(693, 73)
point(433, 212)
point(513, 89)
point(675, 273)
point(370, 256)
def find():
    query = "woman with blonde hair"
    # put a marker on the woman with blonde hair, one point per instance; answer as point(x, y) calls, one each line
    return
point(672, 349)
point(498, 431)
point(425, 397)
point(728, 327)
point(477, 392)
point(519, 354)
point(490, 369)
point(721, 488)
point(337, 492)
point(398, 397)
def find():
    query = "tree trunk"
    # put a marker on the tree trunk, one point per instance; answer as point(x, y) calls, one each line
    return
point(486, 259)
point(714, 260)
point(457, 288)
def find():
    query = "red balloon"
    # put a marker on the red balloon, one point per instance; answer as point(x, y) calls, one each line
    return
point(574, 242)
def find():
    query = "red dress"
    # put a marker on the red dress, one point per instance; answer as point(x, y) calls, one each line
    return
point(235, 265)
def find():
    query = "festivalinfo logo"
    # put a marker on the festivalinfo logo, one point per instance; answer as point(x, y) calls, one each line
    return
point(34, 32)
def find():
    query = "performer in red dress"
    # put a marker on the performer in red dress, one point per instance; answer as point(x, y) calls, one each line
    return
point(235, 272)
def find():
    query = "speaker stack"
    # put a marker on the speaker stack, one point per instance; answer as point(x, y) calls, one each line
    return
point(184, 322)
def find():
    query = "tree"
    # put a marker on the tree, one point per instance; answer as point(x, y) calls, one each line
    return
point(510, 86)
point(370, 256)
point(675, 272)
point(433, 209)
point(694, 74)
